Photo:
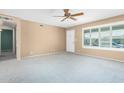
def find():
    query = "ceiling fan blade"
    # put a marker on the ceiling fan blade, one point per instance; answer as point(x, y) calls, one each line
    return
point(73, 18)
point(58, 16)
point(64, 19)
point(78, 14)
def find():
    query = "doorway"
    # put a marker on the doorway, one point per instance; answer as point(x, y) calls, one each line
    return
point(70, 41)
point(7, 44)
point(6, 40)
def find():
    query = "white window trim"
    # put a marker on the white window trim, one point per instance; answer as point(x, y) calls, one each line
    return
point(99, 26)
point(108, 24)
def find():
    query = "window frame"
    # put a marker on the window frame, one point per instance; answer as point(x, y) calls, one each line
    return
point(100, 26)
point(91, 38)
point(110, 42)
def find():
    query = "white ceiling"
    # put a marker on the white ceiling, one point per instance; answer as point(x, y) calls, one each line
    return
point(46, 15)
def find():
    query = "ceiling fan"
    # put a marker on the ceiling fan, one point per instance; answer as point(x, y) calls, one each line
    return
point(68, 15)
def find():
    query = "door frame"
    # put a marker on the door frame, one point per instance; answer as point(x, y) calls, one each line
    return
point(17, 35)
point(73, 31)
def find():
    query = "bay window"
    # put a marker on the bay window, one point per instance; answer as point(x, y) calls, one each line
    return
point(110, 36)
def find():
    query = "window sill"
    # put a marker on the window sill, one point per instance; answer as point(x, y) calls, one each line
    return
point(107, 49)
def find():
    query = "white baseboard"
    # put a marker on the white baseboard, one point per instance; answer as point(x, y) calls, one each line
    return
point(100, 57)
point(52, 53)
point(43, 54)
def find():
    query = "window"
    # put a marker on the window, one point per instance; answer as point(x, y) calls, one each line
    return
point(94, 37)
point(110, 36)
point(87, 37)
point(118, 36)
point(105, 37)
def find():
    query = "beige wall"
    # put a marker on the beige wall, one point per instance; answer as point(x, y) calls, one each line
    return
point(31, 39)
point(95, 52)
point(36, 39)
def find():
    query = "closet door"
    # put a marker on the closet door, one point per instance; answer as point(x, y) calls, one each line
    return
point(70, 41)
point(6, 40)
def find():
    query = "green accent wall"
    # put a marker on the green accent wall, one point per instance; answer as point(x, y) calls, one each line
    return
point(6, 40)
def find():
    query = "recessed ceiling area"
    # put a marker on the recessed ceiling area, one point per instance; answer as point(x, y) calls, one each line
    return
point(46, 16)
